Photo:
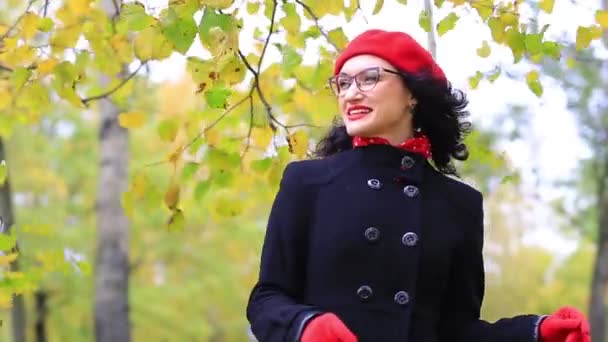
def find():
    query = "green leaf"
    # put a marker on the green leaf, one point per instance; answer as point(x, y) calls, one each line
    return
point(211, 21)
point(3, 172)
point(403, 2)
point(291, 60)
point(475, 79)
point(291, 21)
point(167, 129)
point(216, 97)
point(424, 21)
point(253, 7)
point(516, 41)
point(446, 24)
point(552, 49)
point(8, 241)
point(201, 189)
point(151, 43)
point(485, 8)
point(484, 51)
point(180, 31)
point(46, 24)
point(135, 16)
point(261, 165)
point(497, 28)
point(19, 76)
point(189, 169)
point(532, 79)
point(439, 3)
point(533, 43)
point(546, 5)
point(378, 7)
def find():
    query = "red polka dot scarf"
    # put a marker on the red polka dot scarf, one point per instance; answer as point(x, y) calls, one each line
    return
point(420, 143)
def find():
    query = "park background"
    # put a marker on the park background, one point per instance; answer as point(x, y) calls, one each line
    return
point(142, 142)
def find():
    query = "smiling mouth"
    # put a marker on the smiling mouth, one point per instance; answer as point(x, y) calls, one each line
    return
point(357, 113)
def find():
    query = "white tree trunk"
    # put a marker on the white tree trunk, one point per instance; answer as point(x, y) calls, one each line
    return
point(112, 262)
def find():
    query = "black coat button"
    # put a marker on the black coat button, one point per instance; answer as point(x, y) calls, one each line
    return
point(372, 234)
point(374, 183)
point(364, 292)
point(409, 239)
point(411, 191)
point(402, 298)
point(407, 162)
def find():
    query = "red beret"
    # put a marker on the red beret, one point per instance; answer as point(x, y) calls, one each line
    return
point(397, 48)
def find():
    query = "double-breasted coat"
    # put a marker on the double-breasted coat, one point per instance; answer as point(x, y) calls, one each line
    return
point(380, 238)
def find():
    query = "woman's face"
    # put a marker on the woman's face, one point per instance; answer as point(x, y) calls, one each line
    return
point(382, 108)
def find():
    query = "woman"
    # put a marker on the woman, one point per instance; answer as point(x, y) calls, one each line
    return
point(370, 242)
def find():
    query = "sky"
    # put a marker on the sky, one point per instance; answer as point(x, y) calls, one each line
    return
point(554, 149)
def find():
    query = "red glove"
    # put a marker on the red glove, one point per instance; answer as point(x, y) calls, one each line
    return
point(565, 325)
point(327, 328)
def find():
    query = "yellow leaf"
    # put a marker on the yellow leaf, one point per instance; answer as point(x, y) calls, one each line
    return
point(378, 7)
point(29, 25)
point(172, 196)
point(7, 259)
point(584, 36)
point(127, 203)
point(458, 2)
point(217, 4)
point(509, 18)
point(338, 37)
point(6, 299)
point(299, 143)
point(138, 185)
point(133, 119)
point(47, 66)
point(601, 17)
point(571, 63)
point(484, 51)
point(5, 98)
point(261, 136)
point(547, 5)
point(176, 221)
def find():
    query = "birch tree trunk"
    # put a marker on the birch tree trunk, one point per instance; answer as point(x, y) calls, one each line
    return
point(112, 261)
point(8, 219)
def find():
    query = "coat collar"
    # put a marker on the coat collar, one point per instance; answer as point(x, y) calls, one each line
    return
point(406, 165)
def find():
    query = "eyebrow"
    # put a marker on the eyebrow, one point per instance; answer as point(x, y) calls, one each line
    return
point(362, 69)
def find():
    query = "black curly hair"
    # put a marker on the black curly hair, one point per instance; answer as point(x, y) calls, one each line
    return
point(439, 114)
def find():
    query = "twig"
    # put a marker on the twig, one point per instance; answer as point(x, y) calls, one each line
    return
point(256, 86)
point(272, 18)
point(109, 92)
point(10, 29)
point(250, 130)
point(200, 134)
point(316, 19)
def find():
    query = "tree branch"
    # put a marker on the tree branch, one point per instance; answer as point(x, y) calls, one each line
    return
point(10, 29)
point(248, 139)
point(316, 19)
point(111, 91)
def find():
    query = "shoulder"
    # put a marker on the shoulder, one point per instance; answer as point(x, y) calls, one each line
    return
point(311, 172)
point(462, 196)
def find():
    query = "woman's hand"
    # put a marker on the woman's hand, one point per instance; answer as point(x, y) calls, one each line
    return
point(327, 328)
point(565, 325)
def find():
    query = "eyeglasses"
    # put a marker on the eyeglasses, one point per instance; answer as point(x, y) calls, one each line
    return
point(366, 80)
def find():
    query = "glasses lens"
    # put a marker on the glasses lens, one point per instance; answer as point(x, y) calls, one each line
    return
point(367, 79)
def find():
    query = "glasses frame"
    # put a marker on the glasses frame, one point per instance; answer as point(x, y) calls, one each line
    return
point(333, 81)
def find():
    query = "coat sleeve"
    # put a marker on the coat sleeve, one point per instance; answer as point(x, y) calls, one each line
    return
point(461, 307)
point(275, 311)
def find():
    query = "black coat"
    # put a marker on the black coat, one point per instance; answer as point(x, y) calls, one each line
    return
point(380, 238)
